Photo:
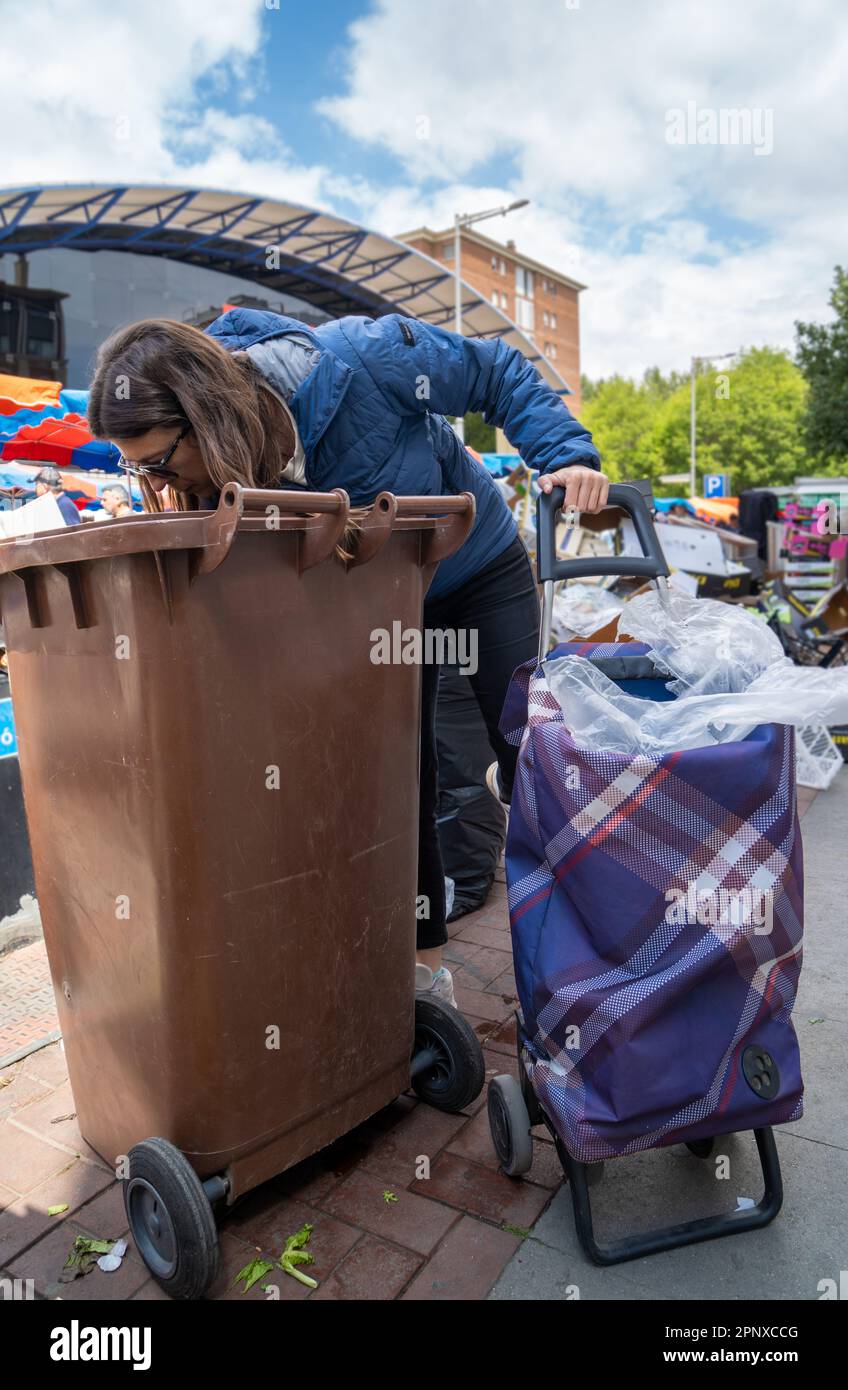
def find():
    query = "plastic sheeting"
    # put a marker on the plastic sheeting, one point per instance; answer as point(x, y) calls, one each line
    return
point(728, 673)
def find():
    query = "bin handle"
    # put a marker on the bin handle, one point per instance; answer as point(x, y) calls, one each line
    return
point(455, 518)
point(374, 529)
point(317, 539)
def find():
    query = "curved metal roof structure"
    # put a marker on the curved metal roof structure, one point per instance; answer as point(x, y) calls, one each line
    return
point(332, 264)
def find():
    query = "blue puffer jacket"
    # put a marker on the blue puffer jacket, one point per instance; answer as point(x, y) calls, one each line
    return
point(370, 413)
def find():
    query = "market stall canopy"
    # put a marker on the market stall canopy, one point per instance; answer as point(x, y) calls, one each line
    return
point(66, 442)
point(42, 422)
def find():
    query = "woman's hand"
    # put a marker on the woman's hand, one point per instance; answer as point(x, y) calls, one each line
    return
point(585, 488)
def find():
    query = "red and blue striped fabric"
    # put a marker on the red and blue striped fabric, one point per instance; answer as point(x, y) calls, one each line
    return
point(656, 906)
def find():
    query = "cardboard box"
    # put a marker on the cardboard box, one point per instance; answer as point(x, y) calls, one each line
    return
point(830, 617)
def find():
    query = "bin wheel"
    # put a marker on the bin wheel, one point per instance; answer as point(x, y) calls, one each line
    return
point(170, 1219)
point(456, 1075)
point(510, 1126)
point(701, 1148)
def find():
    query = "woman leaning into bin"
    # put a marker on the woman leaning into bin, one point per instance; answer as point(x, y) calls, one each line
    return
point(359, 404)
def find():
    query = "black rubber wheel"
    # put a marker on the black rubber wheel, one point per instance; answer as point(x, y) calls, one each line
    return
point(456, 1076)
point(701, 1148)
point(170, 1219)
point(510, 1126)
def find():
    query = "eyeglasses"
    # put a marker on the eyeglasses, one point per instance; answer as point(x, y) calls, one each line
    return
point(155, 470)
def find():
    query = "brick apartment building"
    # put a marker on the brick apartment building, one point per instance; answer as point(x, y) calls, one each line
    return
point(542, 302)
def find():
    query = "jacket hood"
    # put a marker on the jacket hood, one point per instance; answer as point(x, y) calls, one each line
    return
point(239, 329)
point(317, 399)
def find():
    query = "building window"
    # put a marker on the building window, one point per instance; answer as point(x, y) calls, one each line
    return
point(9, 320)
point(495, 299)
point(524, 282)
point(545, 319)
point(494, 263)
point(504, 302)
point(553, 320)
point(447, 251)
point(524, 313)
point(503, 267)
point(42, 333)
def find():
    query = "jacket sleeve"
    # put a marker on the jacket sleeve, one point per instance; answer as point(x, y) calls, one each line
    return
point(420, 368)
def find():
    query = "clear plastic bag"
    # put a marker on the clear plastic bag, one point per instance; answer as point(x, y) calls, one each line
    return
point(709, 646)
point(450, 893)
point(728, 679)
point(580, 609)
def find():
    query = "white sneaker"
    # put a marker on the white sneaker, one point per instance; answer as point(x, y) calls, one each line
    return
point(493, 782)
point(439, 984)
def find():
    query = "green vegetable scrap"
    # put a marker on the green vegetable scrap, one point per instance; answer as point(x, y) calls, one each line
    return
point(252, 1273)
point(390, 1197)
point(516, 1231)
point(294, 1255)
point(815, 1020)
point(58, 1209)
point(83, 1257)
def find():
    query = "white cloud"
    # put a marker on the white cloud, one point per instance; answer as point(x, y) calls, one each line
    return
point(103, 92)
point(574, 103)
point(564, 106)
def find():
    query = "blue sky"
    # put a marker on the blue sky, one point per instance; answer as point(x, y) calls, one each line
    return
point(564, 102)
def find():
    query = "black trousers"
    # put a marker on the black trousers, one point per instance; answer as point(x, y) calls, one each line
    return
point(500, 606)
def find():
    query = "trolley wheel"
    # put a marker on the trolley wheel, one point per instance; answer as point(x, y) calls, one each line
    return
point(456, 1074)
point(170, 1219)
point(510, 1126)
point(701, 1148)
point(534, 1109)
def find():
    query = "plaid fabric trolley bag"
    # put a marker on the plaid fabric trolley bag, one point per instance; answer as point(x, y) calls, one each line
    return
point(656, 914)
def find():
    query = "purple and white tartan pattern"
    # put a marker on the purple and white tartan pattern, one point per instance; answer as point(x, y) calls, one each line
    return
point(636, 1015)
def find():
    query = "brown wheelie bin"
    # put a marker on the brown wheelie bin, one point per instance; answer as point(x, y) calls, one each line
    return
point(220, 791)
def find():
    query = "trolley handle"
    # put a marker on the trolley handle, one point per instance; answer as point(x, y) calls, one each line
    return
point(630, 498)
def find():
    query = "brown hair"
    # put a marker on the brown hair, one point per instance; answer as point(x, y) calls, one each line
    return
point(159, 372)
point(162, 373)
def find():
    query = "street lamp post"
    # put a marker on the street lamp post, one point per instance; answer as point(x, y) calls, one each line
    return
point(695, 363)
point(465, 220)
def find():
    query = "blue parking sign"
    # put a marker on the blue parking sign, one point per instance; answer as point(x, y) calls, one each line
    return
point(716, 485)
point(8, 737)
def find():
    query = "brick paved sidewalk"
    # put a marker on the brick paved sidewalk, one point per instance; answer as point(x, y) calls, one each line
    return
point(27, 1007)
point(444, 1237)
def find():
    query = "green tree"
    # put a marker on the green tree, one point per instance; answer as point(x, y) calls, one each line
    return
point(661, 387)
point(620, 414)
point(587, 388)
point(823, 358)
point(479, 435)
point(750, 423)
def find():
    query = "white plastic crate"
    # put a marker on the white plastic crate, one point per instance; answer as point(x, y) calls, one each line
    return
point(817, 757)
